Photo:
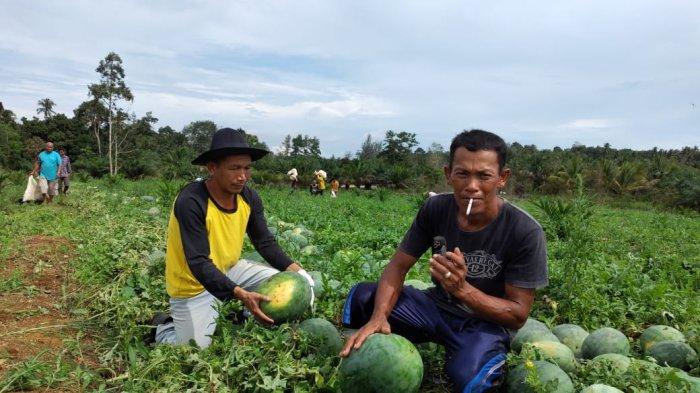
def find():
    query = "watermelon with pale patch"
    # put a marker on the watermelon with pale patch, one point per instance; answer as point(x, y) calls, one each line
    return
point(605, 340)
point(557, 353)
point(547, 373)
point(385, 363)
point(600, 388)
point(572, 336)
point(657, 333)
point(531, 335)
point(290, 296)
point(324, 334)
point(619, 363)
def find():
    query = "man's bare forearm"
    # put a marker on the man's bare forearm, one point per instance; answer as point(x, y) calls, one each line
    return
point(508, 313)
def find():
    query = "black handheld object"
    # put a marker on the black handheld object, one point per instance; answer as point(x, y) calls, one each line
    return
point(440, 247)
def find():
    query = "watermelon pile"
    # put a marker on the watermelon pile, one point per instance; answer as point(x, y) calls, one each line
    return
point(605, 352)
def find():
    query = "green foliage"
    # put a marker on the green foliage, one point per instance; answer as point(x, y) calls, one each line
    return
point(638, 267)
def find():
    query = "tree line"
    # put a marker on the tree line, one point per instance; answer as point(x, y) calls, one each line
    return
point(104, 139)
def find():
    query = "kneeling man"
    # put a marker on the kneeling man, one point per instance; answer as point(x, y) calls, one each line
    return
point(485, 281)
point(205, 237)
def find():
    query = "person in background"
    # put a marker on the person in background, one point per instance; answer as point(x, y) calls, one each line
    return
point(320, 177)
point(313, 188)
point(335, 186)
point(46, 165)
point(64, 172)
point(294, 177)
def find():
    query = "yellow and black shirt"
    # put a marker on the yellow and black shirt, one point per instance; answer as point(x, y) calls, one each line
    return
point(205, 241)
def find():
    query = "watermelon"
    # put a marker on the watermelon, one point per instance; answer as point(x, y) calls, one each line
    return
point(694, 382)
point(319, 289)
point(531, 335)
point(532, 323)
point(605, 340)
point(289, 293)
point(656, 333)
point(557, 353)
point(310, 250)
point(619, 363)
point(418, 284)
point(272, 230)
point(300, 230)
point(693, 337)
point(572, 336)
point(254, 256)
point(547, 373)
point(600, 388)
point(385, 363)
point(324, 333)
point(673, 353)
point(299, 240)
point(347, 332)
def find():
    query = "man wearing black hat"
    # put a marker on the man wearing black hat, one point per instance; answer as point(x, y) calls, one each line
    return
point(205, 237)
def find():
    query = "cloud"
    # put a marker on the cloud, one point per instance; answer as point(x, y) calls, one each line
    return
point(589, 124)
point(544, 73)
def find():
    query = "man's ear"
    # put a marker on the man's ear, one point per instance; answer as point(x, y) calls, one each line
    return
point(503, 177)
point(447, 170)
point(211, 167)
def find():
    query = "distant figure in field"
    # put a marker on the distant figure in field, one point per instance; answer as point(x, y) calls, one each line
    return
point(346, 184)
point(294, 177)
point(64, 172)
point(335, 186)
point(46, 165)
point(320, 176)
point(313, 188)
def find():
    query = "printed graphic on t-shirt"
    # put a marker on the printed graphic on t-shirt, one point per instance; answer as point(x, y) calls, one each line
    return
point(482, 265)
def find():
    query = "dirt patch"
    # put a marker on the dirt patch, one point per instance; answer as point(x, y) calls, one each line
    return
point(35, 283)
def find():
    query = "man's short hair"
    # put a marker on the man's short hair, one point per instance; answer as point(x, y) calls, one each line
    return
point(475, 140)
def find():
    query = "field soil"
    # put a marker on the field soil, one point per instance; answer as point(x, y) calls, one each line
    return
point(34, 305)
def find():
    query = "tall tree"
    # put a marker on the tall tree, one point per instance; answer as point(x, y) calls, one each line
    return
point(110, 91)
point(45, 107)
point(369, 149)
point(199, 134)
point(92, 114)
point(398, 145)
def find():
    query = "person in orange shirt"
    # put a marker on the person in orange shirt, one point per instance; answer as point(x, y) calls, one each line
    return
point(335, 186)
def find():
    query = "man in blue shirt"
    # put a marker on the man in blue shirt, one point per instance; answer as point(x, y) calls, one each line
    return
point(46, 165)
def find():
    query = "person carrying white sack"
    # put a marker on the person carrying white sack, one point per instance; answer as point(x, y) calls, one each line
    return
point(294, 177)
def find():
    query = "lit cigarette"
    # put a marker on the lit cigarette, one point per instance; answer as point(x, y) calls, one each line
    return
point(469, 207)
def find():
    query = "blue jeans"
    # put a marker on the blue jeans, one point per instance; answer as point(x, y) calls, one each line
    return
point(475, 350)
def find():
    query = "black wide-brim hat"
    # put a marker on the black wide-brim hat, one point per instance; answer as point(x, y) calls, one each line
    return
point(229, 142)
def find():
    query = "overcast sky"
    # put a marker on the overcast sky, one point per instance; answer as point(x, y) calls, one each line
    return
point(535, 72)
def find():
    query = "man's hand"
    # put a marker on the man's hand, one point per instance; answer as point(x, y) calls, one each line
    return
point(311, 282)
point(375, 325)
point(450, 270)
point(251, 300)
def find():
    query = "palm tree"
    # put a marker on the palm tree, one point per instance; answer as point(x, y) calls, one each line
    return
point(45, 108)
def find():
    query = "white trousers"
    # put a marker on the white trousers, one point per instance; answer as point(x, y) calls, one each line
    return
point(195, 317)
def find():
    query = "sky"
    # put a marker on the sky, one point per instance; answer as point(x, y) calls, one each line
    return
point(548, 73)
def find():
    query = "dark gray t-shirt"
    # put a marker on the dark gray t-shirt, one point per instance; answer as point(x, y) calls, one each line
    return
point(511, 249)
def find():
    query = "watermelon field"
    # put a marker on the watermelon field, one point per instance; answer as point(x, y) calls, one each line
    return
point(80, 278)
